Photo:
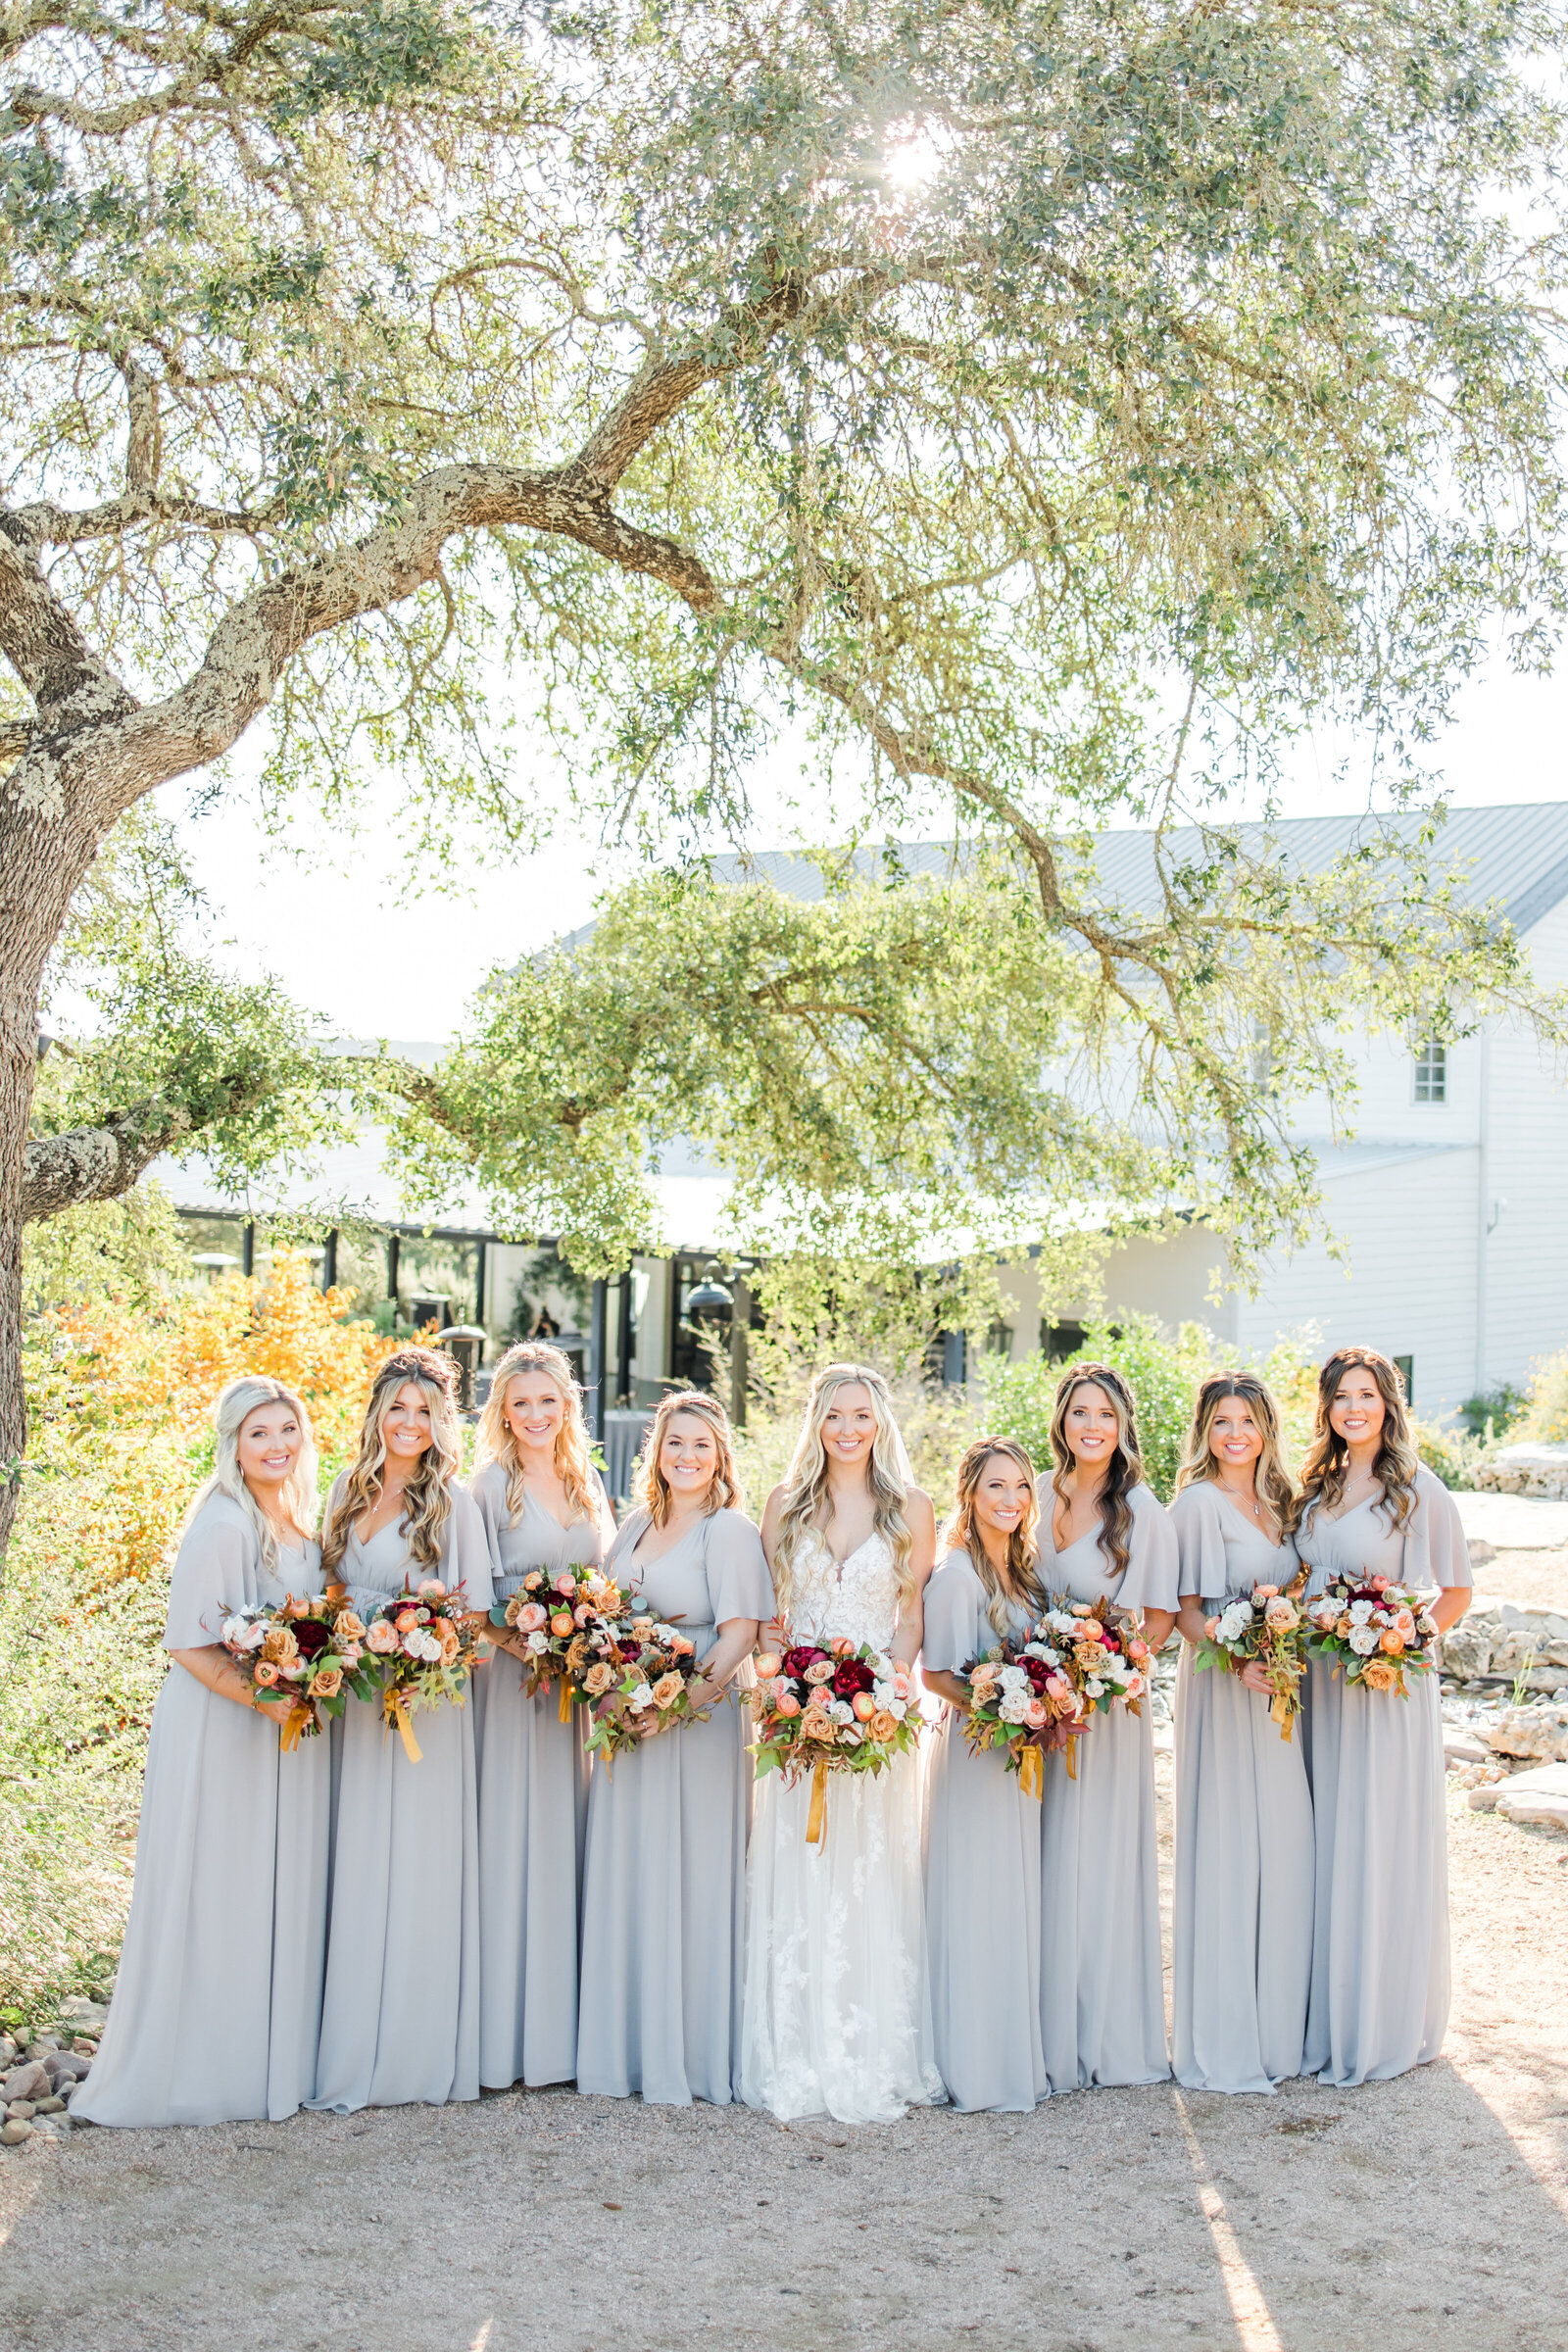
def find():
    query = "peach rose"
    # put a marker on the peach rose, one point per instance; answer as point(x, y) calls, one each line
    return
point(565, 1584)
point(814, 1725)
point(768, 1663)
point(841, 1646)
point(1265, 1592)
point(1058, 1685)
point(883, 1726)
point(1392, 1641)
point(446, 1636)
point(581, 1614)
point(348, 1627)
point(533, 1580)
point(382, 1638)
point(666, 1690)
point(265, 1673)
point(529, 1618)
point(1282, 1615)
point(406, 1620)
point(863, 1706)
point(1378, 1583)
point(1137, 1651)
point(280, 1646)
point(326, 1681)
point(789, 1705)
point(1379, 1675)
point(821, 1671)
point(680, 1648)
point(597, 1681)
point(1211, 1628)
point(1035, 1715)
point(433, 1589)
point(561, 1623)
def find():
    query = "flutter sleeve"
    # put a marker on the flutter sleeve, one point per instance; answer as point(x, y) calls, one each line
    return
point(1199, 1543)
point(617, 1559)
point(216, 1570)
point(739, 1584)
point(1435, 1549)
point(955, 1635)
point(465, 1556)
point(1153, 1572)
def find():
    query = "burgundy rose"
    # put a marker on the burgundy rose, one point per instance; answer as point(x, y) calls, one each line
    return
point(311, 1636)
point(852, 1677)
point(796, 1661)
point(1038, 1670)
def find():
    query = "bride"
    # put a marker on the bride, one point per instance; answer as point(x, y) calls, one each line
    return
point(838, 2008)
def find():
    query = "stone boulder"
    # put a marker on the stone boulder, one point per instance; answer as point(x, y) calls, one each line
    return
point(1526, 1469)
point(1501, 1639)
point(1531, 1732)
point(1539, 1797)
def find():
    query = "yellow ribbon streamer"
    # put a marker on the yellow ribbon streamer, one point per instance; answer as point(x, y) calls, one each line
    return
point(1031, 1772)
point(398, 1713)
point(565, 1701)
point(1072, 1755)
point(816, 1819)
point(292, 1730)
point(1281, 1712)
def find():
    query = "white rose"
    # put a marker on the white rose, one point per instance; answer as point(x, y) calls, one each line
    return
point(898, 1707)
point(1035, 1649)
point(842, 1711)
point(1360, 1612)
point(882, 1694)
point(1363, 1640)
point(1013, 1678)
point(1094, 1688)
point(1012, 1707)
point(881, 1665)
point(537, 1641)
point(852, 1736)
point(642, 1698)
point(422, 1645)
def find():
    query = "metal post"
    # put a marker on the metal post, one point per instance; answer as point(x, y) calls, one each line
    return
point(481, 1269)
point(623, 1341)
point(739, 1325)
point(247, 1250)
point(594, 1401)
point(392, 1242)
point(329, 1263)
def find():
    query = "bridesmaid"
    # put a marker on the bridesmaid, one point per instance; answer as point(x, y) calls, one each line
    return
point(401, 2016)
point(1243, 1945)
point(982, 1831)
point(1104, 1537)
point(218, 1997)
point(665, 1890)
point(1380, 1946)
point(543, 1508)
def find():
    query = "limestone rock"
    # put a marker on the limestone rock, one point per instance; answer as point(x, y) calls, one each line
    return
point(1534, 1731)
point(12, 2136)
point(81, 2015)
point(26, 2082)
point(1464, 1747)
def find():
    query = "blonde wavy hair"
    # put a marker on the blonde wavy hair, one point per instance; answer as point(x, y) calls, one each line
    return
point(651, 1488)
point(1126, 1462)
point(1023, 1548)
point(233, 1408)
point(495, 1440)
point(804, 1493)
point(427, 1497)
point(1328, 1457)
point(1271, 1481)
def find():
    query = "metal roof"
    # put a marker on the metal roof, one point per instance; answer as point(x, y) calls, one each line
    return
point(1516, 854)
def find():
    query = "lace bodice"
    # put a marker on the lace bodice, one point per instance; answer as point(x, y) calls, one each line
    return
point(860, 1601)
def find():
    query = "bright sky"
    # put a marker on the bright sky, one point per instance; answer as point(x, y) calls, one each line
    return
point(325, 916)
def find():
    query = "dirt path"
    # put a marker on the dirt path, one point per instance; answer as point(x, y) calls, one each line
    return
point(1429, 2211)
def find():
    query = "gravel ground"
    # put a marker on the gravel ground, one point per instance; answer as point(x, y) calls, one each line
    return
point(1429, 2211)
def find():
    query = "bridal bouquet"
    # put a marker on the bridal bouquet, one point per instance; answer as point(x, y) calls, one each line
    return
point(549, 1612)
point(312, 1648)
point(1264, 1625)
point(1104, 1662)
point(1020, 1702)
point(1375, 1631)
point(636, 1673)
point(425, 1652)
point(830, 1707)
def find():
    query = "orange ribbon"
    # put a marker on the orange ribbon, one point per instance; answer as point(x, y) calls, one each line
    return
point(565, 1715)
point(816, 1819)
point(397, 1713)
point(1031, 1770)
point(1072, 1755)
point(292, 1729)
point(1281, 1711)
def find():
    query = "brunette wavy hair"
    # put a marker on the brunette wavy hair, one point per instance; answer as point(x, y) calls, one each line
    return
point(1023, 1548)
point(234, 1408)
point(1271, 1481)
point(495, 1440)
point(1126, 1469)
point(428, 1496)
point(888, 1477)
point(1328, 1457)
point(651, 1488)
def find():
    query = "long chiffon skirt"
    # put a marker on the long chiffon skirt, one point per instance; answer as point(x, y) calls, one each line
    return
point(533, 1820)
point(1102, 1992)
point(1243, 1945)
point(982, 1911)
point(1380, 1946)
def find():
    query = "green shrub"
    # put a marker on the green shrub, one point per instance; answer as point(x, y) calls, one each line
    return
point(1546, 1414)
point(1162, 1374)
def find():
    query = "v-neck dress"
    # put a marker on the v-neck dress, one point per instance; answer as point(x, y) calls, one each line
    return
point(1241, 1950)
point(982, 1875)
point(1380, 1944)
point(217, 2000)
point(664, 1879)
point(533, 1818)
point(401, 2017)
point(1102, 1990)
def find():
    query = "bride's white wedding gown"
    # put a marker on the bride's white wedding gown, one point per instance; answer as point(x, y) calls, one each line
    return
point(838, 2004)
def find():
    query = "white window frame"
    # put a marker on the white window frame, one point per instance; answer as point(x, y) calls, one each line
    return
point(1429, 1072)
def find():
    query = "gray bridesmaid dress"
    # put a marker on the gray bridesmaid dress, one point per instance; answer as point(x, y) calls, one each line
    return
point(665, 1882)
point(1380, 1944)
point(401, 2016)
point(218, 1997)
point(1242, 1944)
point(533, 1818)
point(982, 1877)
point(1101, 1994)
